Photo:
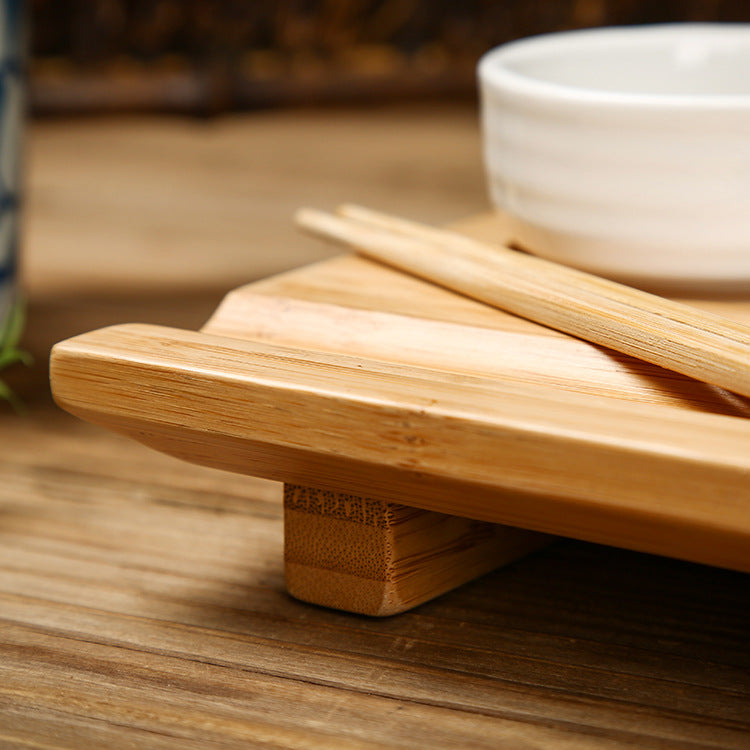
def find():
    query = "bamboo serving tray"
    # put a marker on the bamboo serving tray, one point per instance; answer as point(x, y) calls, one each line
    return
point(424, 438)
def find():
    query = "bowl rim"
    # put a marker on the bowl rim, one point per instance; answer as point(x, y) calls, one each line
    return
point(493, 71)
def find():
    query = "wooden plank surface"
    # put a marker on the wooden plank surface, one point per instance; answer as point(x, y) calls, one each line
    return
point(714, 349)
point(480, 420)
point(142, 599)
point(654, 478)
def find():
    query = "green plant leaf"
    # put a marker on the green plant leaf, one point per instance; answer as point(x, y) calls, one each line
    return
point(12, 356)
point(8, 395)
point(11, 330)
point(12, 327)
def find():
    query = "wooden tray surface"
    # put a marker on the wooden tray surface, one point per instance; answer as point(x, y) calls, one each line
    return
point(350, 376)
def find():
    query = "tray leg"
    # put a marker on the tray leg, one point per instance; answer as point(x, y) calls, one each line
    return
point(379, 558)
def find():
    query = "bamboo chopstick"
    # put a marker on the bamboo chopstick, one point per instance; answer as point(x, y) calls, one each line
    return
point(673, 335)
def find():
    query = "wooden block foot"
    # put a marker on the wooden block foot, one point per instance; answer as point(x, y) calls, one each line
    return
point(379, 558)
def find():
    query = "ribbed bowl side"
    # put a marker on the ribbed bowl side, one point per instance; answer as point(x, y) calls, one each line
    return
point(624, 191)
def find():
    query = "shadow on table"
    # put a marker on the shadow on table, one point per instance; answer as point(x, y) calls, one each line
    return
point(605, 629)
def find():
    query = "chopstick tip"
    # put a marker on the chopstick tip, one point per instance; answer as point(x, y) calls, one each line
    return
point(304, 216)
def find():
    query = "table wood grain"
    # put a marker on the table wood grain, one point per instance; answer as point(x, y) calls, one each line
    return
point(142, 600)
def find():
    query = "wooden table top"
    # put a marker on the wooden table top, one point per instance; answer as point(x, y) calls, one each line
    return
point(142, 600)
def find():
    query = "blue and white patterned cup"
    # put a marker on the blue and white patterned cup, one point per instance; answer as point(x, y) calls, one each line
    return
point(12, 44)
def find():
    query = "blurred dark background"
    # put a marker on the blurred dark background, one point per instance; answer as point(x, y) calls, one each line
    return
point(206, 57)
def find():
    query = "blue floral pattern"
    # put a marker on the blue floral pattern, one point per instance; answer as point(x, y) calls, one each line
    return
point(12, 44)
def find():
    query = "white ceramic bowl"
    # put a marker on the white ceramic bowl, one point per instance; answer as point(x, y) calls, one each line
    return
point(625, 151)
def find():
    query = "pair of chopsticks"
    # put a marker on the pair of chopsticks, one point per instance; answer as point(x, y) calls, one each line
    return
point(673, 335)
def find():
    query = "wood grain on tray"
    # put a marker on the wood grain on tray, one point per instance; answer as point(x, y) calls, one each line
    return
point(461, 408)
